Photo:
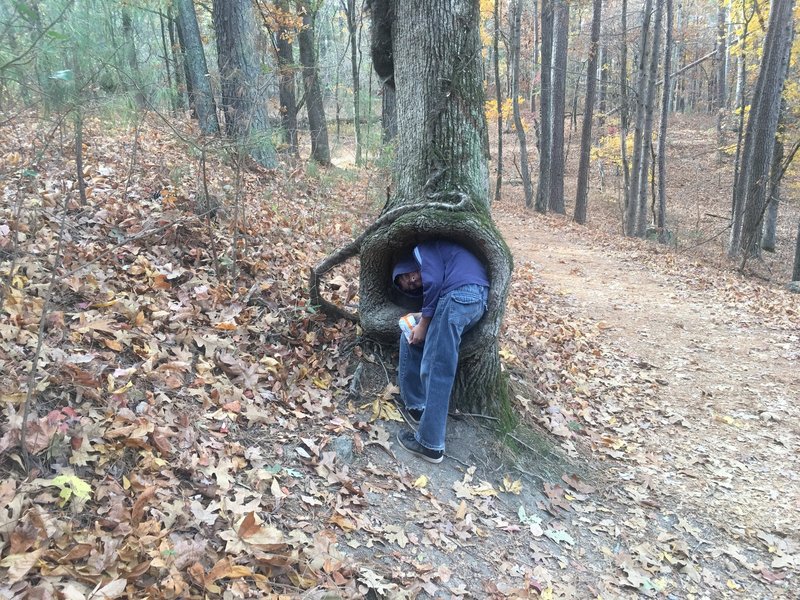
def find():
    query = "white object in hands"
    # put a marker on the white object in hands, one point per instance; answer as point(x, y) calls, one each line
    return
point(407, 323)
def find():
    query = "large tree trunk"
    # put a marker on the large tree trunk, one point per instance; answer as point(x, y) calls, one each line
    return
point(523, 142)
point(441, 180)
point(546, 108)
point(243, 91)
point(201, 97)
point(559, 97)
point(754, 177)
point(286, 87)
point(317, 125)
point(581, 196)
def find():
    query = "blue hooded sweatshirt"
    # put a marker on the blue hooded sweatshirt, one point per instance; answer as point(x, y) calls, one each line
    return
point(443, 266)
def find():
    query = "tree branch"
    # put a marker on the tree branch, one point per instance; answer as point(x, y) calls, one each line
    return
point(354, 248)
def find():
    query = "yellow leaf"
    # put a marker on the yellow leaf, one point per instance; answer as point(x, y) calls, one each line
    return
point(321, 383)
point(421, 482)
point(485, 489)
point(733, 585)
point(513, 487)
point(507, 355)
point(71, 485)
point(271, 364)
point(123, 389)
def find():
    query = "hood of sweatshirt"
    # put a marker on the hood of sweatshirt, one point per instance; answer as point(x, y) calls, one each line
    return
point(406, 264)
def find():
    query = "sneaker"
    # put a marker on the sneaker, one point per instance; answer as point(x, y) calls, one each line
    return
point(410, 415)
point(407, 440)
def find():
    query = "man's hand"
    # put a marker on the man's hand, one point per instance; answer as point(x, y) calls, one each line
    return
point(420, 330)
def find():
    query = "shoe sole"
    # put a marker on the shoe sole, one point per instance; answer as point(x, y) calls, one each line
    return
point(435, 461)
point(406, 415)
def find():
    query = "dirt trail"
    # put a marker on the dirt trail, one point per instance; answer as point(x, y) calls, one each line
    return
point(718, 443)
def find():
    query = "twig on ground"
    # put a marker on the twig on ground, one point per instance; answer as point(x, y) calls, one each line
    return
point(477, 416)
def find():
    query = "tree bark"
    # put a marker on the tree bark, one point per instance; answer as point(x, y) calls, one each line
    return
point(753, 182)
point(632, 200)
point(201, 97)
point(352, 30)
point(623, 103)
point(173, 95)
point(499, 99)
point(535, 53)
point(132, 59)
point(317, 124)
point(521, 137)
point(286, 87)
point(558, 103)
point(771, 218)
point(546, 110)
point(722, 63)
point(243, 86)
point(740, 94)
point(581, 197)
point(666, 92)
point(796, 268)
point(388, 113)
point(442, 163)
point(647, 133)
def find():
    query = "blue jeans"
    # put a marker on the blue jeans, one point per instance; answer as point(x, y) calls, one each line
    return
point(426, 372)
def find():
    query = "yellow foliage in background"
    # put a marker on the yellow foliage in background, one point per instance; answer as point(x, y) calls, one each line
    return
point(487, 16)
point(490, 109)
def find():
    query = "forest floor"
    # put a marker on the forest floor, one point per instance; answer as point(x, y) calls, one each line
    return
point(197, 430)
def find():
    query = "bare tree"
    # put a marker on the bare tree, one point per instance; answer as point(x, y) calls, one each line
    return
point(632, 199)
point(623, 101)
point(752, 183)
point(286, 84)
point(317, 124)
point(581, 197)
point(558, 103)
point(546, 110)
point(499, 99)
point(647, 131)
point(666, 92)
point(201, 97)
point(523, 145)
point(721, 58)
point(353, 23)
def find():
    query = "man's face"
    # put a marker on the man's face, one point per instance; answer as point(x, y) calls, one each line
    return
point(409, 282)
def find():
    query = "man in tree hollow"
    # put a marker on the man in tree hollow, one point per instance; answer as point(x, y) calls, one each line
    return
point(454, 288)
